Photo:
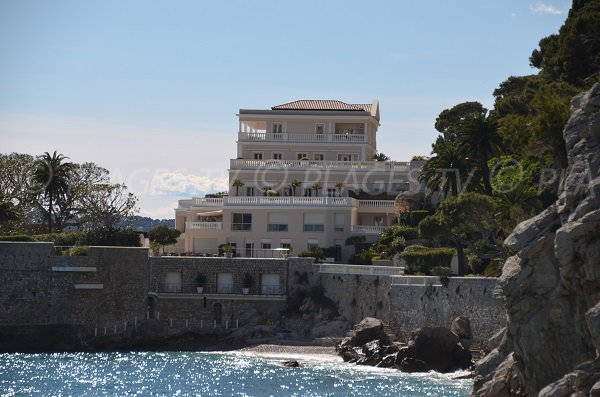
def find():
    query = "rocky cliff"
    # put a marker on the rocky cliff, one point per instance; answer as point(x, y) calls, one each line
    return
point(552, 284)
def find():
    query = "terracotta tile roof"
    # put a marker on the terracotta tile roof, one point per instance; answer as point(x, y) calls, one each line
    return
point(312, 104)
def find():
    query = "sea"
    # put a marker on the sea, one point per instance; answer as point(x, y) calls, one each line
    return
point(237, 373)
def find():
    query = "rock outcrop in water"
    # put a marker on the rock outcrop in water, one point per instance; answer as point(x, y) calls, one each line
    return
point(552, 284)
point(430, 348)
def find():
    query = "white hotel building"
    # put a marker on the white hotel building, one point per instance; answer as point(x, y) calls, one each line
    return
point(323, 142)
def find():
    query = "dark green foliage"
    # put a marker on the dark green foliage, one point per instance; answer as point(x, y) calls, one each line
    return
point(314, 252)
point(393, 240)
point(16, 237)
point(424, 260)
point(63, 238)
point(76, 251)
point(362, 257)
point(412, 218)
point(110, 237)
point(163, 235)
point(573, 55)
point(494, 269)
point(461, 221)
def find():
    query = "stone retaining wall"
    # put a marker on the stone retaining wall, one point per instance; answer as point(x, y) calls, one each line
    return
point(415, 306)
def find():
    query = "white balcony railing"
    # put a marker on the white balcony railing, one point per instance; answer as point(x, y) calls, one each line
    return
point(207, 202)
point(298, 137)
point(324, 164)
point(364, 229)
point(289, 201)
point(359, 269)
point(376, 204)
point(204, 225)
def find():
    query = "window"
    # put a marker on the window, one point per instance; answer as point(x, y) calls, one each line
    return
point(257, 156)
point(378, 221)
point(277, 128)
point(278, 222)
point(331, 192)
point(250, 191)
point(265, 245)
point(277, 156)
point(302, 156)
point(285, 245)
point(312, 243)
point(307, 192)
point(347, 157)
point(319, 156)
point(241, 222)
point(340, 220)
point(314, 222)
point(319, 128)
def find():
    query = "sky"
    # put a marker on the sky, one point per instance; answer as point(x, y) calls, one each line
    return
point(150, 89)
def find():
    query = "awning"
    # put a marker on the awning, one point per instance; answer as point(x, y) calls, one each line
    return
point(211, 213)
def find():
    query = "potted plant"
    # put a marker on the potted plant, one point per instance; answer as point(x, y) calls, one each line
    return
point(227, 250)
point(200, 281)
point(247, 283)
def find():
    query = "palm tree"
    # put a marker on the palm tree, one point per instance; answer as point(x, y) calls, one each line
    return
point(445, 170)
point(479, 140)
point(237, 184)
point(515, 205)
point(295, 184)
point(339, 186)
point(316, 187)
point(51, 174)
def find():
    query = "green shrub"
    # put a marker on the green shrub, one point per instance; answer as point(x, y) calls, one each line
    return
point(363, 257)
point(415, 247)
point(80, 250)
point(423, 260)
point(110, 237)
point(16, 237)
point(441, 271)
point(494, 269)
point(62, 238)
point(314, 252)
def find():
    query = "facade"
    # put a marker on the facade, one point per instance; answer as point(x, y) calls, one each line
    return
point(304, 176)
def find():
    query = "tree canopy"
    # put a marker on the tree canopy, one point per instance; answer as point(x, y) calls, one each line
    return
point(61, 193)
point(163, 235)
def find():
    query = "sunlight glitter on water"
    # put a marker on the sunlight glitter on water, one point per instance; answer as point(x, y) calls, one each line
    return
point(209, 374)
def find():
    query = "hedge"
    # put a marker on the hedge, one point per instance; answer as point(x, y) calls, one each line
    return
point(63, 238)
point(425, 259)
point(111, 237)
point(16, 237)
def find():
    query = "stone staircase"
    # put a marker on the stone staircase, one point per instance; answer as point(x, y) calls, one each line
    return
point(389, 332)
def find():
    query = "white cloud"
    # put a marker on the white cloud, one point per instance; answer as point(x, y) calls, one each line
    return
point(541, 8)
point(177, 183)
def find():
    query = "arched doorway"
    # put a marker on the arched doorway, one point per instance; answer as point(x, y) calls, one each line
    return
point(218, 313)
point(150, 308)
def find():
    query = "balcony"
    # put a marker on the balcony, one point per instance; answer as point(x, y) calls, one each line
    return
point(364, 229)
point(204, 225)
point(301, 164)
point(376, 203)
point(301, 138)
point(368, 205)
point(289, 201)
